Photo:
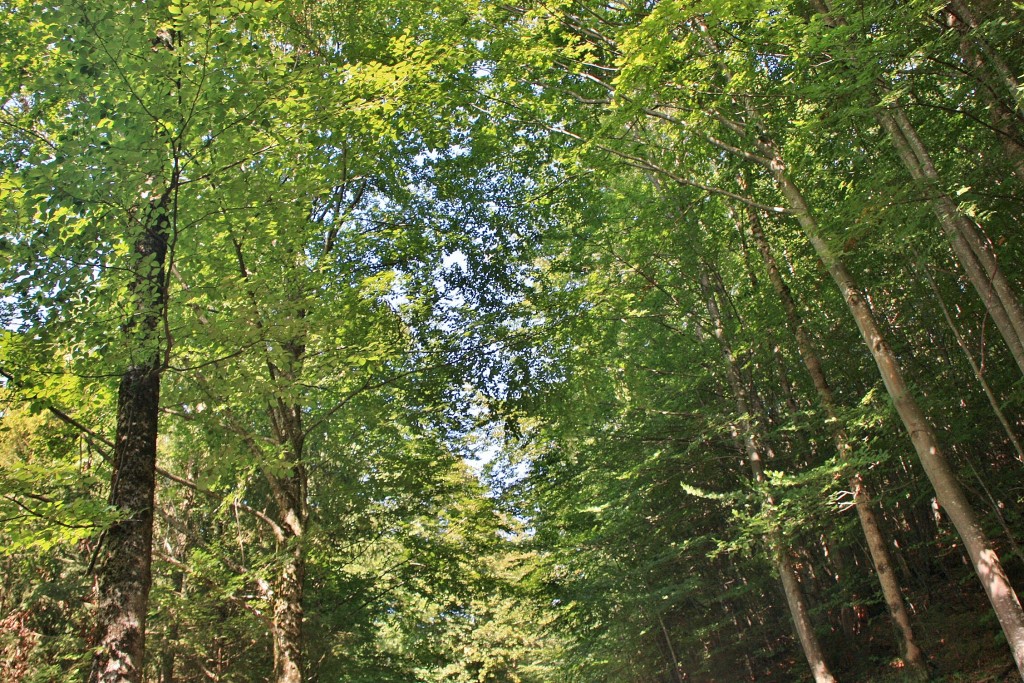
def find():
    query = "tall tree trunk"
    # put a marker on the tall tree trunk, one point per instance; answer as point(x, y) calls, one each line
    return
point(802, 618)
point(179, 539)
point(975, 368)
point(167, 657)
point(970, 22)
point(289, 490)
point(1007, 127)
point(971, 246)
point(930, 453)
point(291, 497)
point(998, 86)
point(910, 650)
point(790, 582)
point(677, 674)
point(285, 590)
point(123, 568)
point(287, 619)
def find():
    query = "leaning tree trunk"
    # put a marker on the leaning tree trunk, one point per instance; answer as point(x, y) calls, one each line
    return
point(948, 491)
point(790, 582)
point(880, 556)
point(971, 246)
point(1004, 72)
point(123, 568)
point(975, 368)
point(998, 87)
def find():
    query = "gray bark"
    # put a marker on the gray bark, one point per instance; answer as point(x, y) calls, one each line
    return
point(975, 368)
point(948, 491)
point(971, 247)
point(790, 581)
point(863, 503)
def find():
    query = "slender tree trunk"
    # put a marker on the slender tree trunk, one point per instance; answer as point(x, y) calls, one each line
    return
point(971, 247)
point(978, 374)
point(1003, 71)
point(862, 498)
point(289, 490)
point(123, 568)
point(882, 560)
point(179, 539)
point(994, 505)
point(1007, 126)
point(1000, 96)
point(948, 491)
point(790, 582)
point(167, 657)
point(673, 660)
point(802, 618)
point(290, 495)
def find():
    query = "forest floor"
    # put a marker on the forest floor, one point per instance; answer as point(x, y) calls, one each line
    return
point(960, 637)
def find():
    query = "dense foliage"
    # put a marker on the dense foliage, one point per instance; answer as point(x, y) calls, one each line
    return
point(568, 341)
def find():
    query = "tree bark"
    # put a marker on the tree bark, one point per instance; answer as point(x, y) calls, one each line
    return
point(971, 247)
point(1004, 72)
point(751, 442)
point(179, 538)
point(290, 494)
point(1001, 96)
point(289, 491)
point(676, 670)
point(948, 491)
point(123, 568)
point(975, 368)
point(863, 503)
point(802, 619)
point(287, 619)
point(167, 657)
point(285, 590)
